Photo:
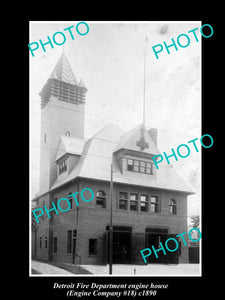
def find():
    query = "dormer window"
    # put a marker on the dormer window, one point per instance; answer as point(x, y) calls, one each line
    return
point(140, 166)
point(62, 166)
point(130, 165)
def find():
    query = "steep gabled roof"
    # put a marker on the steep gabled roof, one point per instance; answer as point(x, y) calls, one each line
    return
point(97, 156)
point(70, 145)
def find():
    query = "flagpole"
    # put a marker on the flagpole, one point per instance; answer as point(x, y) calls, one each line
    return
point(146, 39)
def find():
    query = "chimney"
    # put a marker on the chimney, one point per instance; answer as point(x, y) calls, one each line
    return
point(153, 134)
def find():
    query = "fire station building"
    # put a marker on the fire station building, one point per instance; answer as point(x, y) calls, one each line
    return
point(148, 205)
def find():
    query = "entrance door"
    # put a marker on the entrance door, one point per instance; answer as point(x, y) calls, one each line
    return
point(154, 239)
point(121, 244)
point(171, 257)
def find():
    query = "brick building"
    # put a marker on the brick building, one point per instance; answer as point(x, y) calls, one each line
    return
point(149, 205)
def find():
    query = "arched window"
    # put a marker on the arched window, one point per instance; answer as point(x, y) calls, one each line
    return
point(101, 199)
point(67, 133)
point(173, 207)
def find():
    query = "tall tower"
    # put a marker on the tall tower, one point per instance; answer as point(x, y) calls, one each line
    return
point(62, 113)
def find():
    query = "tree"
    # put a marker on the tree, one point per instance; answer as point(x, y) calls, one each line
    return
point(195, 221)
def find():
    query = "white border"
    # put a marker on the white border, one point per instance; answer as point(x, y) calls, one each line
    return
point(30, 232)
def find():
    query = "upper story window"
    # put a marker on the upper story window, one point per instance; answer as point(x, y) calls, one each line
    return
point(139, 202)
point(101, 199)
point(134, 202)
point(140, 166)
point(173, 207)
point(123, 200)
point(144, 202)
point(154, 205)
point(62, 166)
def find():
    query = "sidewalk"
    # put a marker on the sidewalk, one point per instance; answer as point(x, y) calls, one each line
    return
point(146, 270)
point(46, 268)
point(49, 268)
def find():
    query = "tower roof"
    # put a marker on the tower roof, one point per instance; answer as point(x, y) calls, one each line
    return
point(63, 71)
point(63, 84)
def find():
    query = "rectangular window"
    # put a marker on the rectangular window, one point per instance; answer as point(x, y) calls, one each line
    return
point(62, 166)
point(40, 242)
point(46, 242)
point(139, 166)
point(130, 164)
point(134, 202)
point(149, 168)
point(55, 245)
point(136, 165)
point(74, 241)
point(123, 199)
point(154, 205)
point(69, 241)
point(142, 167)
point(144, 203)
point(92, 246)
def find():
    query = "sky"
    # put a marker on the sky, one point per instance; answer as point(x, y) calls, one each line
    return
point(110, 59)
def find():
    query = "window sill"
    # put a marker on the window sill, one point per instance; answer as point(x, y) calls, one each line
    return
point(139, 211)
point(101, 207)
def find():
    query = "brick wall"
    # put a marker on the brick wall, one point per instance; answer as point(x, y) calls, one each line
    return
point(90, 222)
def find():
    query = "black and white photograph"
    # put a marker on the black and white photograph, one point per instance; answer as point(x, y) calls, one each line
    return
point(115, 148)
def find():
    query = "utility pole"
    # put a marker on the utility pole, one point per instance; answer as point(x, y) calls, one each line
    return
point(110, 224)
